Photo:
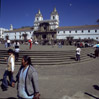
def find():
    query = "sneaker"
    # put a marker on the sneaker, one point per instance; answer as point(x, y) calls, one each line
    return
point(3, 87)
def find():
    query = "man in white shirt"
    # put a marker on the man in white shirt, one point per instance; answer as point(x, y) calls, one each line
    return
point(8, 43)
point(78, 50)
point(9, 71)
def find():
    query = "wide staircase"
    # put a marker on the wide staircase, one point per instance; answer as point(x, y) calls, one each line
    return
point(50, 58)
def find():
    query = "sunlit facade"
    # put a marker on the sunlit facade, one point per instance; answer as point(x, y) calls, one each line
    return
point(2, 30)
point(23, 33)
point(78, 32)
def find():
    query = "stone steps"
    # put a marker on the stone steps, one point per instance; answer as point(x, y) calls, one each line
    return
point(48, 57)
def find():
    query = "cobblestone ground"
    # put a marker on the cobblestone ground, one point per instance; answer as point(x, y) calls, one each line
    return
point(72, 81)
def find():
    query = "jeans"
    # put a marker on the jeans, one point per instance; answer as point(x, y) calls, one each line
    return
point(4, 81)
point(16, 56)
point(77, 57)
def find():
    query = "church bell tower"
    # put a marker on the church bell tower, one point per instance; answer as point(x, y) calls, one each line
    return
point(37, 20)
point(54, 15)
point(55, 19)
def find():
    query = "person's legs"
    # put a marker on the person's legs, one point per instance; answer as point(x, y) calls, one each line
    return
point(98, 52)
point(11, 79)
point(4, 81)
point(16, 56)
point(30, 45)
point(76, 57)
point(8, 45)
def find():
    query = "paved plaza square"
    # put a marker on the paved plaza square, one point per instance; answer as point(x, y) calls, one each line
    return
point(66, 81)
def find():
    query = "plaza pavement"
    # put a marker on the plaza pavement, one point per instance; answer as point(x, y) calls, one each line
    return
point(70, 81)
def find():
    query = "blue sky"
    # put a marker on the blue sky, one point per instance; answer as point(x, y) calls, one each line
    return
point(21, 13)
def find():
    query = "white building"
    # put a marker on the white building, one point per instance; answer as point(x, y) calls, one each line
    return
point(19, 34)
point(79, 32)
point(2, 30)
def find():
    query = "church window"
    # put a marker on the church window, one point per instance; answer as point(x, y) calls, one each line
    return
point(76, 31)
point(82, 31)
point(37, 19)
point(53, 17)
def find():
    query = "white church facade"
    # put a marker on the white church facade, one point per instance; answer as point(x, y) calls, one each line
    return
point(53, 21)
point(45, 30)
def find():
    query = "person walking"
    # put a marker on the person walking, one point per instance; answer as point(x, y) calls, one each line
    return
point(8, 43)
point(27, 80)
point(78, 51)
point(9, 71)
point(30, 43)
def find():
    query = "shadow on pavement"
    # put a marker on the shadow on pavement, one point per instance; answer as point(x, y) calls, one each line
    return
point(96, 87)
point(73, 58)
point(91, 95)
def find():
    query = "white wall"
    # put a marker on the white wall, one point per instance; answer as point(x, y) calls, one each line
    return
point(2, 31)
point(62, 34)
point(17, 34)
